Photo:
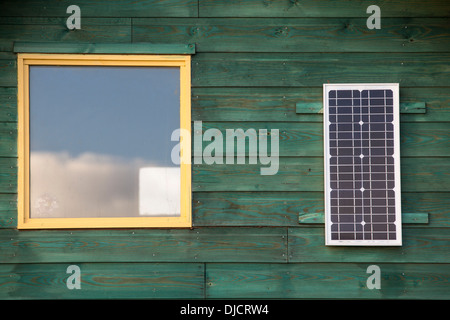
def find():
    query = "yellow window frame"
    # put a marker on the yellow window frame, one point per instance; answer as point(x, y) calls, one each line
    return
point(29, 59)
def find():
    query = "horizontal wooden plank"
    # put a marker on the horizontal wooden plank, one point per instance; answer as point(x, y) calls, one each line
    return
point(298, 35)
point(102, 281)
point(425, 174)
point(8, 104)
point(253, 208)
point(315, 69)
point(62, 21)
point(284, 208)
point(125, 48)
point(420, 245)
point(8, 210)
point(306, 139)
point(295, 139)
point(291, 174)
point(407, 218)
point(317, 107)
point(437, 205)
point(413, 107)
point(326, 281)
point(101, 8)
point(149, 245)
point(273, 104)
point(306, 174)
point(8, 139)
point(321, 8)
point(8, 72)
point(276, 209)
point(279, 104)
point(8, 175)
point(44, 30)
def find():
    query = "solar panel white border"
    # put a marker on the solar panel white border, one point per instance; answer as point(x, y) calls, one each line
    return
point(396, 114)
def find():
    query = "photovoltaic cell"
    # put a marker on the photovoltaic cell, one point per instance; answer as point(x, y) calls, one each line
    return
point(362, 171)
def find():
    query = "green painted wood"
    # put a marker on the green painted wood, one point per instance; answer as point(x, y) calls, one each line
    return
point(298, 35)
point(309, 107)
point(279, 104)
point(8, 175)
point(427, 174)
point(317, 107)
point(8, 72)
point(413, 107)
point(306, 139)
point(278, 209)
point(420, 245)
point(437, 205)
point(145, 245)
point(321, 8)
point(8, 104)
point(93, 30)
point(326, 281)
point(285, 208)
point(102, 8)
point(43, 20)
point(103, 281)
point(315, 69)
point(8, 139)
point(8, 210)
point(253, 208)
point(407, 218)
point(7, 202)
point(306, 174)
point(128, 48)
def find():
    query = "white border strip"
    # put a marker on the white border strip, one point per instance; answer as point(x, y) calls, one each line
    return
point(398, 223)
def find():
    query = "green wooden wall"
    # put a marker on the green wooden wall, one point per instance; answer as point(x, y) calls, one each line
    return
point(258, 64)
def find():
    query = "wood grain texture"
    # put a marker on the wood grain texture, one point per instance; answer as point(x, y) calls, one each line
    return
point(306, 139)
point(93, 30)
point(315, 69)
point(8, 139)
point(437, 205)
point(279, 104)
point(8, 175)
point(306, 174)
point(420, 245)
point(277, 209)
point(317, 107)
point(326, 281)
point(8, 71)
point(103, 281)
point(146, 245)
point(292, 208)
point(321, 8)
point(297, 35)
point(407, 218)
point(104, 48)
point(295, 139)
point(255, 61)
point(8, 104)
point(102, 8)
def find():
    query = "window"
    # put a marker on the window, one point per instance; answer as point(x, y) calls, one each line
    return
point(99, 141)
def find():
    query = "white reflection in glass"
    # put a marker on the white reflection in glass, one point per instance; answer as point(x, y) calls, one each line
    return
point(100, 141)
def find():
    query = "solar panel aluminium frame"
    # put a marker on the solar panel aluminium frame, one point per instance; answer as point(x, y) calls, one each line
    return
point(397, 187)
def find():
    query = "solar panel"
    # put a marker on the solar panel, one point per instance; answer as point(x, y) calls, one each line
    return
point(362, 164)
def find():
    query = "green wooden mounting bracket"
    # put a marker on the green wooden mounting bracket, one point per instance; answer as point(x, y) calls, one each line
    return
point(318, 218)
point(317, 107)
point(103, 48)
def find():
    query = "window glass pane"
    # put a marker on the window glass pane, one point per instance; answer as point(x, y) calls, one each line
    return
point(100, 141)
